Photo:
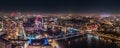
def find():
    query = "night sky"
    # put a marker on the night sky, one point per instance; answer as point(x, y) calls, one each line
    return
point(81, 6)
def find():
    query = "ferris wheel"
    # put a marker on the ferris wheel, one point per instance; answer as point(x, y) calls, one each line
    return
point(39, 22)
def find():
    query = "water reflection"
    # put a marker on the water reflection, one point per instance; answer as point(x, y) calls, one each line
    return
point(89, 41)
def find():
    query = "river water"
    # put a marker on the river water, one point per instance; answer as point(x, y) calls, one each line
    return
point(88, 41)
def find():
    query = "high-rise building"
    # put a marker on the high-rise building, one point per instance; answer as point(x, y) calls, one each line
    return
point(118, 29)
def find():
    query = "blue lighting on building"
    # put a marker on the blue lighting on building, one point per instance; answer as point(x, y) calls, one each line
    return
point(46, 41)
point(30, 41)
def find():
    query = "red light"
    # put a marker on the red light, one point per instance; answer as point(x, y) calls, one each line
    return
point(12, 14)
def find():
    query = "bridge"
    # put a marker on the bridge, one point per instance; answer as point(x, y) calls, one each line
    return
point(58, 37)
point(65, 36)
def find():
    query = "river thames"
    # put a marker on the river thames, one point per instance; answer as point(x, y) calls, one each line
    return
point(88, 41)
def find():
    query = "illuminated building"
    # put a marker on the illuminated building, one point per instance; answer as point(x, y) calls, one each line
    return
point(1, 26)
point(118, 29)
point(15, 31)
point(9, 29)
point(12, 29)
point(21, 32)
point(91, 20)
